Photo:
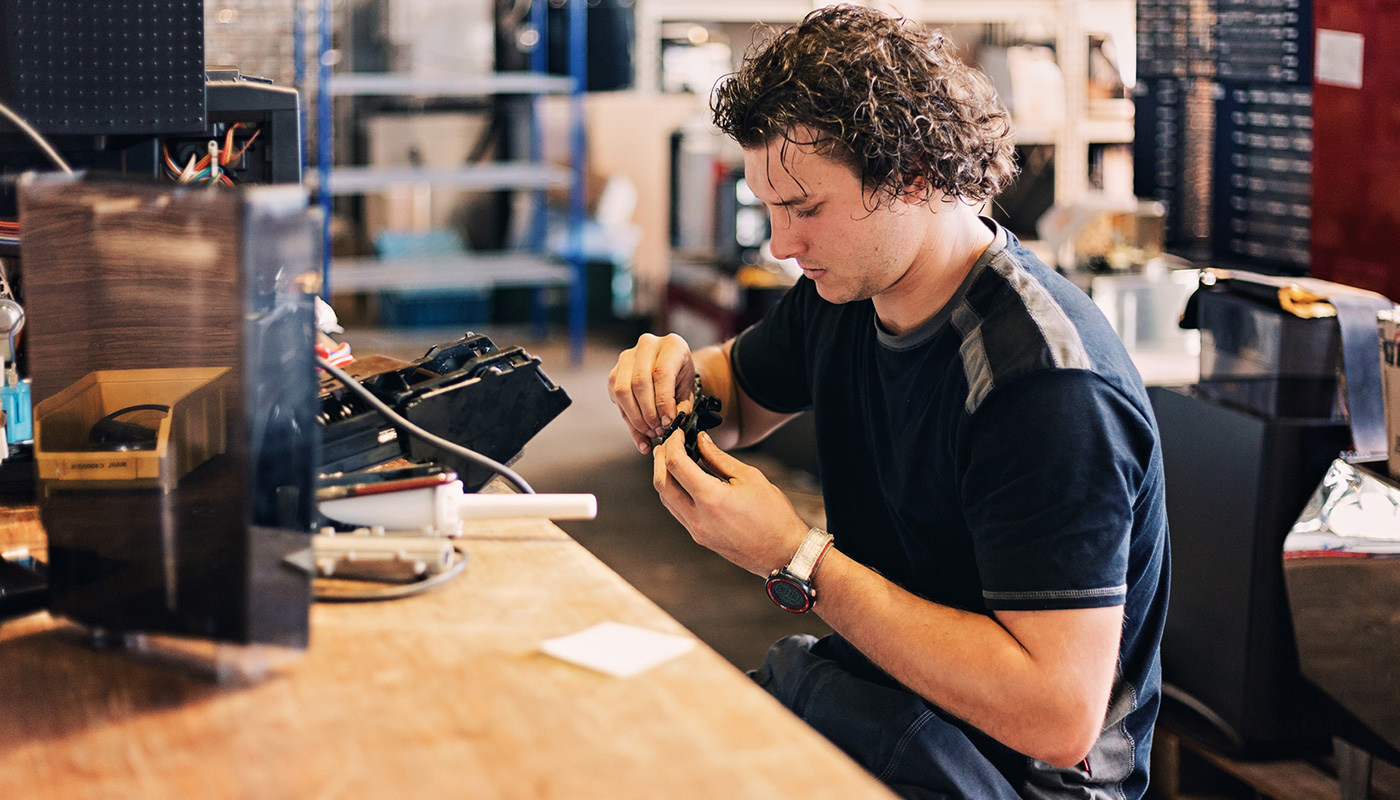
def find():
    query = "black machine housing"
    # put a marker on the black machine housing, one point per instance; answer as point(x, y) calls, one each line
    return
point(469, 392)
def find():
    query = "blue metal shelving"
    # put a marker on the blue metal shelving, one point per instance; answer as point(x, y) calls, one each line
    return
point(485, 271)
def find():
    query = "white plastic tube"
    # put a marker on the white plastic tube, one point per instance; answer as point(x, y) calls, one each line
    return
point(441, 509)
point(549, 506)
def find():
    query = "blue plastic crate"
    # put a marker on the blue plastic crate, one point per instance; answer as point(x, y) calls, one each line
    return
point(434, 307)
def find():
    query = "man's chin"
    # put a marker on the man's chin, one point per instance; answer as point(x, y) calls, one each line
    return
point(838, 295)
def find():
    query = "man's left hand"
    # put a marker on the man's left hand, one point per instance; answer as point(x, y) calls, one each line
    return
point(740, 514)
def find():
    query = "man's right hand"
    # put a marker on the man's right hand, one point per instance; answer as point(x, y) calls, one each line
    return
point(650, 384)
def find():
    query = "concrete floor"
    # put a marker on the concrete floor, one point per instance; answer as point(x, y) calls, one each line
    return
point(587, 449)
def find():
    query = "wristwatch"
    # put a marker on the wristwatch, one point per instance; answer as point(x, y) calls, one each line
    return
point(791, 586)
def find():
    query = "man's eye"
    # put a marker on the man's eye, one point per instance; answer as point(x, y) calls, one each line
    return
point(804, 213)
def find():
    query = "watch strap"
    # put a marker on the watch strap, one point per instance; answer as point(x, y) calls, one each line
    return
point(809, 554)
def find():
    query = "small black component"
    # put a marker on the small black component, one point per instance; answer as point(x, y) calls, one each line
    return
point(703, 416)
point(111, 433)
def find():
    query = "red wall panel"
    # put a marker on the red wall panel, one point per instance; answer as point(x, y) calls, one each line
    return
point(1356, 154)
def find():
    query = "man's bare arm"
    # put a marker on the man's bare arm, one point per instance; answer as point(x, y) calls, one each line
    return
point(745, 422)
point(1037, 681)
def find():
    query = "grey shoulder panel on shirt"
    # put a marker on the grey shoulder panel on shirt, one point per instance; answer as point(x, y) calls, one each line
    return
point(1061, 336)
point(1011, 323)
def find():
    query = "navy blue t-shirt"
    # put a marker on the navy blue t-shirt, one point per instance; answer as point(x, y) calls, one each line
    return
point(1003, 456)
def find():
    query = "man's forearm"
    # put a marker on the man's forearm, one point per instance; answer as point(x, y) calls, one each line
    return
point(745, 421)
point(1047, 701)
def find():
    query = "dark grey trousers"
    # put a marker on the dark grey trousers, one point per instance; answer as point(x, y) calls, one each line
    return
point(889, 731)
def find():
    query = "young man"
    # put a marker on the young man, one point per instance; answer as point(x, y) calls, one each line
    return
point(989, 460)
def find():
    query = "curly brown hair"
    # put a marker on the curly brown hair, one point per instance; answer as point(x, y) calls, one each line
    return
point(883, 96)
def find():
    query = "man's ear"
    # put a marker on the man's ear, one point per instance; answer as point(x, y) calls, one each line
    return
point(916, 190)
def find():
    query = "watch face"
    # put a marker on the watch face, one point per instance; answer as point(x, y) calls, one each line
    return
point(788, 594)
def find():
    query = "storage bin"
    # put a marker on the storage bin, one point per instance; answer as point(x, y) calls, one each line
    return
point(192, 432)
point(465, 309)
point(431, 308)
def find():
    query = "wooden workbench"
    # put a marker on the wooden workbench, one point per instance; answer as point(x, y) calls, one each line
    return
point(445, 694)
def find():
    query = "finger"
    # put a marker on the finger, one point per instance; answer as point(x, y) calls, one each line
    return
point(672, 374)
point(642, 442)
point(620, 389)
point(721, 464)
point(682, 468)
point(642, 385)
point(672, 494)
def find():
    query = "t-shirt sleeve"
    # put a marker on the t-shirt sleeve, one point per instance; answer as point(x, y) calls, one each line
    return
point(1057, 461)
point(769, 358)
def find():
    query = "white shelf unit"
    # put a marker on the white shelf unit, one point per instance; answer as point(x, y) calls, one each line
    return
point(484, 177)
point(388, 83)
point(1071, 20)
point(470, 271)
point(478, 271)
point(523, 268)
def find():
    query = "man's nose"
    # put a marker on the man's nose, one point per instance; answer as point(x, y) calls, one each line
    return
point(785, 242)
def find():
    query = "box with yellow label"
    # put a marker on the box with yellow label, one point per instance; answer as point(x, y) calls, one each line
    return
point(131, 428)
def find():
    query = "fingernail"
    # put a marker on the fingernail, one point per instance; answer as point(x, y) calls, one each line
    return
point(643, 448)
point(665, 422)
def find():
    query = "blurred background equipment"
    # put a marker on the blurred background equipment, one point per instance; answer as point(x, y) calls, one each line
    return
point(1341, 566)
point(129, 92)
point(1224, 129)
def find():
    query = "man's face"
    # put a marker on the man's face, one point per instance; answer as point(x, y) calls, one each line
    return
point(821, 217)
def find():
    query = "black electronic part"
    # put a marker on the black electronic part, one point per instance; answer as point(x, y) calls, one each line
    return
point(468, 392)
point(426, 444)
point(704, 416)
point(252, 123)
point(383, 475)
point(113, 433)
point(95, 69)
point(358, 484)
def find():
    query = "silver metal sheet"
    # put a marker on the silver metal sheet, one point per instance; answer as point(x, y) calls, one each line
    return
point(1341, 567)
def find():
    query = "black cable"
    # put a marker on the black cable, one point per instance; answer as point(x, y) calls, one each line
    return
point(396, 592)
point(39, 140)
point(110, 434)
point(137, 407)
point(427, 436)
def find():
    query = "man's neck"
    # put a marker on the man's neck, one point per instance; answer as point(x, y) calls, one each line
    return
point(956, 237)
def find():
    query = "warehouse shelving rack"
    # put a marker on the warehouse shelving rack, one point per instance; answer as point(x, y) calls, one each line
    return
point(530, 266)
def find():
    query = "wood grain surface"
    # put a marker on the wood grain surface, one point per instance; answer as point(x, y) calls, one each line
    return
point(445, 694)
point(94, 252)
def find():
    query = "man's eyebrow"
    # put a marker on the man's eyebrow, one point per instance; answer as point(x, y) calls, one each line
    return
point(794, 202)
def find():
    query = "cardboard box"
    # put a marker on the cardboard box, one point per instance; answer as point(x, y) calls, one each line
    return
point(1388, 323)
point(190, 433)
